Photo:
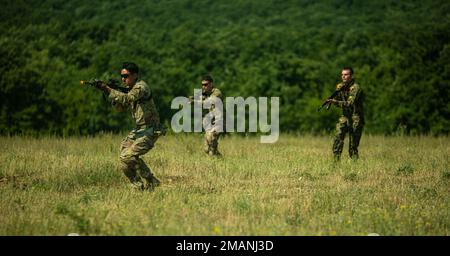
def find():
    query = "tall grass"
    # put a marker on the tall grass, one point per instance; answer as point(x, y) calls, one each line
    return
point(56, 186)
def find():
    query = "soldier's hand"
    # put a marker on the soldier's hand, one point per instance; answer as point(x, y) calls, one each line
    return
point(100, 85)
point(331, 101)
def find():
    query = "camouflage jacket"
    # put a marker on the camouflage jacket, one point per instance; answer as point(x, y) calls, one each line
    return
point(217, 113)
point(350, 99)
point(210, 97)
point(140, 101)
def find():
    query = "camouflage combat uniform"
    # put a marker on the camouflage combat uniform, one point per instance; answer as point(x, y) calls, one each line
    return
point(141, 139)
point(212, 133)
point(350, 99)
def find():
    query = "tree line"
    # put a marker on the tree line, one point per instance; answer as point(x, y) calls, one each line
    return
point(294, 49)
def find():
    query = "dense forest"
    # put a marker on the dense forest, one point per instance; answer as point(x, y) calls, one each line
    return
point(292, 49)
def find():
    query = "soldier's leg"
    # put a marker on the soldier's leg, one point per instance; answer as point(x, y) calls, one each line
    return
point(212, 143)
point(150, 181)
point(140, 147)
point(215, 144)
point(355, 137)
point(206, 143)
point(350, 141)
point(338, 141)
point(128, 163)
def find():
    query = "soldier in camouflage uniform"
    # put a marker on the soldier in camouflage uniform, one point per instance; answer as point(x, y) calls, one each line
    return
point(350, 99)
point(212, 133)
point(141, 139)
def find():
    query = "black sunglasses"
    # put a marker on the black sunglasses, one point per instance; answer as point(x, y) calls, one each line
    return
point(124, 75)
point(205, 84)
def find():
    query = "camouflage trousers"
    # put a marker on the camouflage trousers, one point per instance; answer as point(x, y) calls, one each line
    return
point(136, 144)
point(211, 143)
point(354, 128)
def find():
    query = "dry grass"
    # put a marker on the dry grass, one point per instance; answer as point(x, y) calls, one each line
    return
point(55, 186)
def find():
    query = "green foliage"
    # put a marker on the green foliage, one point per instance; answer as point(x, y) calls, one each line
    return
point(400, 52)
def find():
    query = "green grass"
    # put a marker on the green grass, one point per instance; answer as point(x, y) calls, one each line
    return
point(56, 186)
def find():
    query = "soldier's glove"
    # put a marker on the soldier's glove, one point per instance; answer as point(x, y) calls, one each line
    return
point(100, 85)
point(97, 83)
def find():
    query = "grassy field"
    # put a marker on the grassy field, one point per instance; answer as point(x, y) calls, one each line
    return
point(57, 186)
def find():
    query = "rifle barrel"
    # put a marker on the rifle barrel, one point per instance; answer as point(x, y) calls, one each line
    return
point(83, 82)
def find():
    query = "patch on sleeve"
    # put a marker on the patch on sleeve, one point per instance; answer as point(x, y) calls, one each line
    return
point(353, 88)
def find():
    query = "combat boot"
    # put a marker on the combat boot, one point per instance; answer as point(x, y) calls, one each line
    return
point(214, 153)
point(217, 154)
point(137, 185)
point(336, 158)
point(353, 154)
point(151, 183)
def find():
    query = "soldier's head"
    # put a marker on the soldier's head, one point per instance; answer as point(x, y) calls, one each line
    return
point(207, 84)
point(129, 73)
point(347, 75)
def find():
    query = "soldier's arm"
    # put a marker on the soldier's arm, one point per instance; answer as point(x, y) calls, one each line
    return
point(211, 99)
point(332, 97)
point(192, 99)
point(215, 95)
point(354, 94)
point(126, 99)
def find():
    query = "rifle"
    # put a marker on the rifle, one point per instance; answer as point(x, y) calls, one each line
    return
point(112, 83)
point(328, 104)
point(160, 130)
point(334, 94)
point(192, 98)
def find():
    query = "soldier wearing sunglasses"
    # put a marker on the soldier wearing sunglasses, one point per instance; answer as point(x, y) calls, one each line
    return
point(212, 134)
point(139, 100)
